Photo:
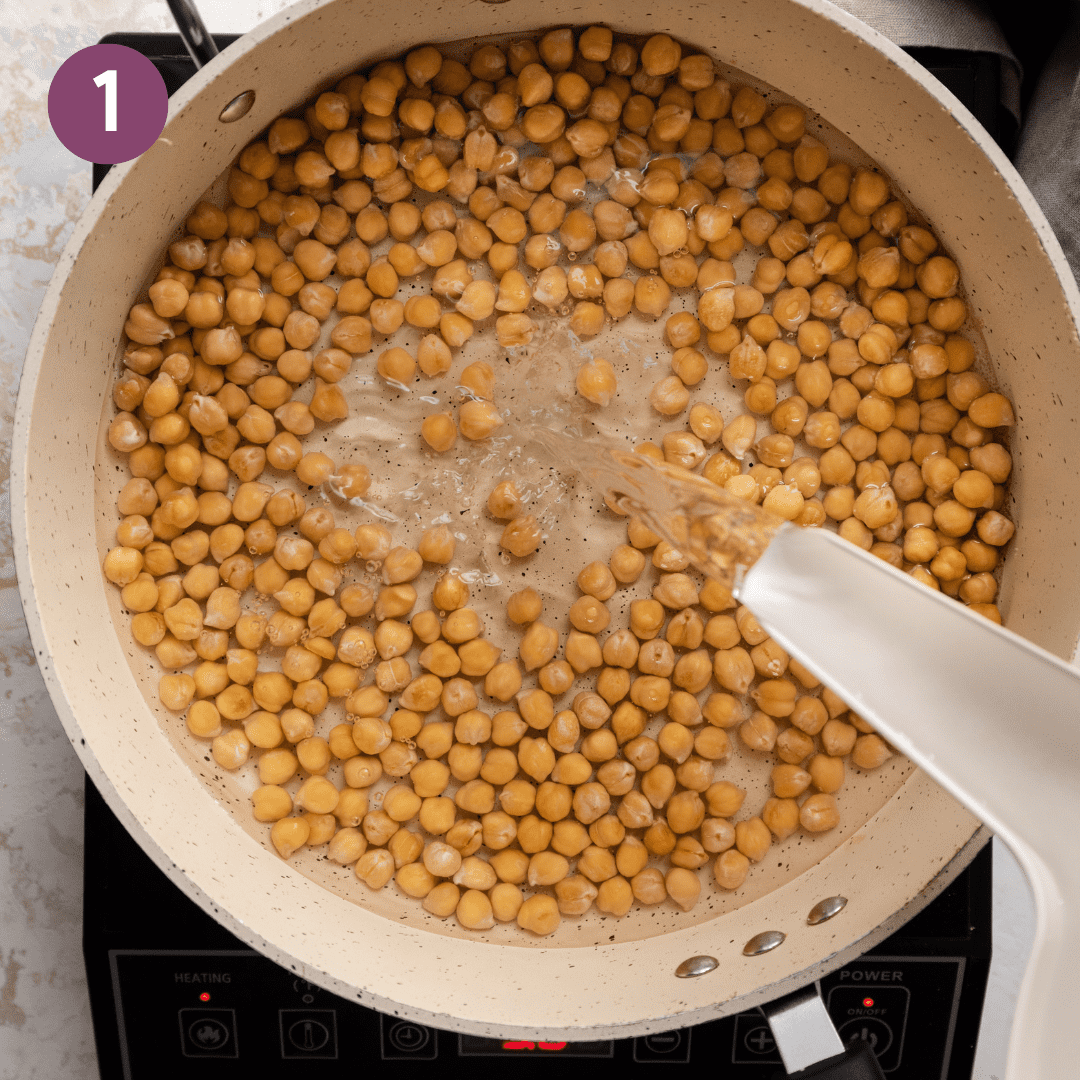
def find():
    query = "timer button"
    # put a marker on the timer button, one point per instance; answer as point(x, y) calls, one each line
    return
point(406, 1039)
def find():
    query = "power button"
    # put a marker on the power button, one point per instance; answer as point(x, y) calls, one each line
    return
point(875, 1014)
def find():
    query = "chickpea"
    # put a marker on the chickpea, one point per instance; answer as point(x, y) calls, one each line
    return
point(790, 781)
point(522, 536)
point(781, 816)
point(123, 565)
point(730, 869)
point(556, 677)
point(475, 911)
point(759, 732)
point(575, 894)
point(375, 867)
point(479, 419)
point(539, 914)
point(819, 813)
point(995, 529)
point(685, 812)
point(536, 708)
point(827, 772)
point(870, 752)
point(734, 669)
point(596, 381)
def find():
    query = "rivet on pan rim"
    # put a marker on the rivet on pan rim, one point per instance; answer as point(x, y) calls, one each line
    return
point(239, 107)
point(825, 909)
point(695, 966)
point(763, 942)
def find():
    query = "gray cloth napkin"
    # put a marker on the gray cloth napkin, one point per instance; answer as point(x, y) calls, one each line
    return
point(1048, 156)
point(955, 24)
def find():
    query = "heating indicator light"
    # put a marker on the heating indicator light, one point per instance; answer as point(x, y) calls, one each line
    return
point(204, 996)
point(868, 1002)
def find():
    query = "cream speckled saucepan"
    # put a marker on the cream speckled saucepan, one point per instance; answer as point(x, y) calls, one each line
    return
point(594, 978)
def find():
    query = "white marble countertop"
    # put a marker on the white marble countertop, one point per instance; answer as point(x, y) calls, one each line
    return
point(45, 1030)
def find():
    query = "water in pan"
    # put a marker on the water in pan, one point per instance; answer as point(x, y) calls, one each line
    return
point(720, 534)
point(414, 489)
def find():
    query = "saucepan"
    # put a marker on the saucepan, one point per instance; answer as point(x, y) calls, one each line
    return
point(806, 913)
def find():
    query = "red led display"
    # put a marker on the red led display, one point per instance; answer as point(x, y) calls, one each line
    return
point(523, 1045)
point(204, 996)
point(867, 1003)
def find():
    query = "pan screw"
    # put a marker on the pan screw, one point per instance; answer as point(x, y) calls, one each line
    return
point(825, 909)
point(239, 106)
point(696, 965)
point(763, 943)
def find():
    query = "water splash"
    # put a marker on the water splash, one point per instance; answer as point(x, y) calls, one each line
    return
point(721, 535)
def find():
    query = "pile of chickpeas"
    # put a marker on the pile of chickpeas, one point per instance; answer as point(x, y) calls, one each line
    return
point(569, 765)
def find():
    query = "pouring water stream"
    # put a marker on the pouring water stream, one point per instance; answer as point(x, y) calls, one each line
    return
point(992, 718)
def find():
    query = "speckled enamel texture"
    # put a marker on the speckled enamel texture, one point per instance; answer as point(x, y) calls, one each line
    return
point(576, 984)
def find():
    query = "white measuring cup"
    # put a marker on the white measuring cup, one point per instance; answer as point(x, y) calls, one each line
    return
point(992, 718)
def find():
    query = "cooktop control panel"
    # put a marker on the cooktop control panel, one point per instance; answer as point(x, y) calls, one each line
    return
point(221, 1013)
point(176, 995)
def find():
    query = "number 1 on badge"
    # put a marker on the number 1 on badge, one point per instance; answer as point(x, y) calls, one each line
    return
point(108, 80)
point(134, 96)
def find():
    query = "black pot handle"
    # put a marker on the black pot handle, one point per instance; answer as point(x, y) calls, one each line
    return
point(193, 30)
point(857, 1062)
point(809, 1044)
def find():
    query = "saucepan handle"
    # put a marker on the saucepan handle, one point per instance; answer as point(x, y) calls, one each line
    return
point(201, 47)
point(857, 1062)
point(810, 1045)
point(193, 30)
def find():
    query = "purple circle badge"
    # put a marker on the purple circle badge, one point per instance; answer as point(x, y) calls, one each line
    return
point(108, 104)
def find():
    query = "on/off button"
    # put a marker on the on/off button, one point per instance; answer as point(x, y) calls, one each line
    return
point(663, 1046)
